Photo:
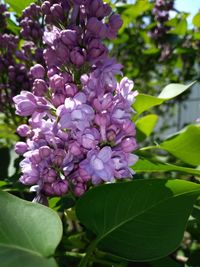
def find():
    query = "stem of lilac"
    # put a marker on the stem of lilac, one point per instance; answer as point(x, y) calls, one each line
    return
point(84, 261)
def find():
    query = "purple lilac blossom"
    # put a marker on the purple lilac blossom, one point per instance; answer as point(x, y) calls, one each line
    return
point(79, 130)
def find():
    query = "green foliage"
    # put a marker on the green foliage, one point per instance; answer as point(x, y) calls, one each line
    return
point(145, 102)
point(141, 220)
point(145, 126)
point(145, 165)
point(196, 20)
point(17, 5)
point(185, 145)
point(29, 233)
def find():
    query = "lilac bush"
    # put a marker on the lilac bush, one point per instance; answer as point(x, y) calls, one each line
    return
point(80, 131)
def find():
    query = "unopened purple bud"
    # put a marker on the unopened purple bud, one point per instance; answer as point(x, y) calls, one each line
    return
point(49, 175)
point(46, 7)
point(35, 157)
point(60, 187)
point(128, 144)
point(29, 178)
point(39, 87)
point(58, 99)
point(57, 11)
point(77, 56)
point(44, 151)
point(57, 83)
point(115, 21)
point(129, 128)
point(111, 135)
point(37, 71)
point(79, 189)
point(75, 148)
point(52, 71)
point(50, 57)
point(69, 37)
point(21, 148)
point(62, 52)
point(23, 130)
point(107, 9)
point(47, 189)
point(59, 157)
point(71, 90)
point(84, 176)
point(96, 27)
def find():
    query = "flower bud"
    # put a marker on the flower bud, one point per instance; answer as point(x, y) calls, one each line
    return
point(35, 157)
point(37, 71)
point(60, 187)
point(21, 148)
point(23, 130)
point(79, 189)
point(39, 87)
point(44, 151)
point(128, 144)
point(57, 11)
point(69, 37)
point(77, 56)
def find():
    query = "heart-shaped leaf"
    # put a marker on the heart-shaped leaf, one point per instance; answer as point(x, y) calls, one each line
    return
point(29, 233)
point(141, 220)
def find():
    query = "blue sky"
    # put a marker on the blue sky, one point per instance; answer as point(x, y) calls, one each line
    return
point(190, 6)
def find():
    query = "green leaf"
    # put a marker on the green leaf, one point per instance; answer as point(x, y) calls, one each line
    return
point(7, 135)
point(13, 27)
point(29, 233)
point(18, 5)
point(174, 89)
point(145, 102)
point(144, 165)
point(145, 126)
point(180, 28)
point(185, 145)
point(141, 220)
point(13, 257)
point(196, 20)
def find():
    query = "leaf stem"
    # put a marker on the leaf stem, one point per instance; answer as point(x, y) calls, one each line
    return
point(84, 260)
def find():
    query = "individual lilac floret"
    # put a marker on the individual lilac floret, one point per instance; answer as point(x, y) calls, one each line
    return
point(75, 113)
point(26, 104)
point(99, 165)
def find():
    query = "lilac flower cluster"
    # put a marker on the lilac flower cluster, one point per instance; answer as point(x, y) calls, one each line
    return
point(3, 16)
point(161, 14)
point(32, 29)
point(14, 74)
point(80, 130)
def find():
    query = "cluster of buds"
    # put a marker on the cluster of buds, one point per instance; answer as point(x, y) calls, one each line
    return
point(161, 14)
point(14, 74)
point(3, 16)
point(80, 130)
point(32, 29)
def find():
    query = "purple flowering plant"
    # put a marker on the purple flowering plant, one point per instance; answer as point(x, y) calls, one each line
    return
point(79, 124)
